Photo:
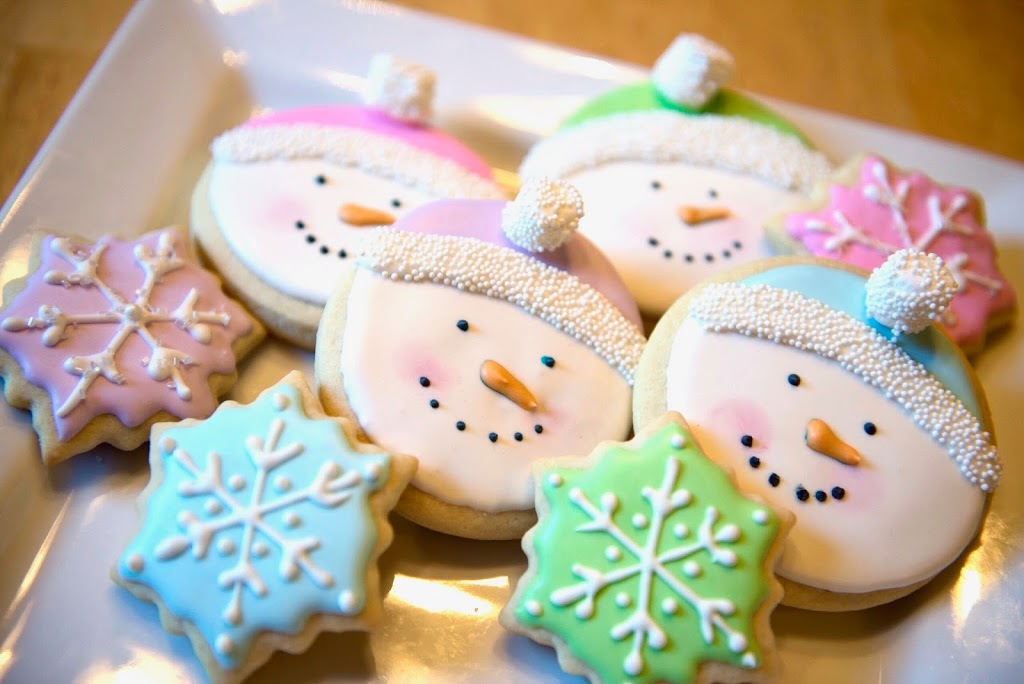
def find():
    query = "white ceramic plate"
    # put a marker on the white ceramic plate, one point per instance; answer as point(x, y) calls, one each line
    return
point(124, 158)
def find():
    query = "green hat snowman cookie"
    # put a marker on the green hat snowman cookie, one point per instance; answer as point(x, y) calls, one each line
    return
point(678, 172)
point(837, 397)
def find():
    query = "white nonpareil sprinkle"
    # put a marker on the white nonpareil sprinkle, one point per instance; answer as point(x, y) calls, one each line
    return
point(471, 265)
point(375, 154)
point(692, 70)
point(729, 143)
point(403, 89)
point(544, 215)
point(909, 291)
point(789, 318)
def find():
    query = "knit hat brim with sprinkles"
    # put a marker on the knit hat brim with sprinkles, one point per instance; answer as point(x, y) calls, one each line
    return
point(683, 114)
point(526, 252)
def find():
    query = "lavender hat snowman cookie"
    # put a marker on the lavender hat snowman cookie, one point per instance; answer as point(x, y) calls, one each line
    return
point(478, 336)
point(678, 173)
point(281, 205)
point(837, 398)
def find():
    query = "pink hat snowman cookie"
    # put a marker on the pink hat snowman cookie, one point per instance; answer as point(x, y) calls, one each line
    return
point(678, 172)
point(103, 338)
point(869, 209)
point(840, 400)
point(478, 336)
point(280, 207)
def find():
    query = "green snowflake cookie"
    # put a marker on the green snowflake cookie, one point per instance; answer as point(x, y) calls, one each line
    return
point(647, 563)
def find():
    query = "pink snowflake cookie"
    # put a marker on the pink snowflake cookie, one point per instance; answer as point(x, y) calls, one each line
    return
point(117, 334)
point(870, 209)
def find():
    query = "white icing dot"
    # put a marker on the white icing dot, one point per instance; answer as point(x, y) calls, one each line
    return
point(788, 317)
point(613, 553)
point(639, 521)
point(260, 550)
point(680, 530)
point(669, 606)
point(677, 441)
point(282, 483)
point(236, 482)
point(555, 480)
point(225, 546)
point(372, 472)
point(224, 644)
point(292, 519)
point(213, 506)
point(281, 402)
point(534, 608)
point(623, 600)
point(760, 516)
point(348, 602)
point(737, 642)
point(749, 660)
point(691, 568)
point(136, 563)
point(167, 445)
point(728, 533)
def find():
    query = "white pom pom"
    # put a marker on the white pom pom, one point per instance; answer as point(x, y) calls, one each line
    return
point(543, 216)
point(692, 70)
point(909, 291)
point(404, 90)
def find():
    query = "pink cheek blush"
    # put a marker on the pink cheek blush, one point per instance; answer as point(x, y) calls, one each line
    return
point(737, 419)
point(283, 211)
point(421, 367)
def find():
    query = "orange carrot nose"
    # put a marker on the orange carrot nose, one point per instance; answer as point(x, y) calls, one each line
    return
point(499, 379)
point(694, 215)
point(820, 437)
point(359, 216)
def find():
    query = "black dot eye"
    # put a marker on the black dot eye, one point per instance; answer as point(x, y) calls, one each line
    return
point(655, 185)
point(321, 179)
point(462, 325)
point(712, 193)
point(747, 441)
point(460, 426)
point(793, 379)
point(396, 203)
point(538, 429)
point(424, 381)
point(299, 225)
point(548, 361)
point(870, 428)
point(434, 403)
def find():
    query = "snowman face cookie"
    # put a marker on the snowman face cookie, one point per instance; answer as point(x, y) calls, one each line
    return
point(667, 226)
point(277, 214)
point(864, 435)
point(414, 362)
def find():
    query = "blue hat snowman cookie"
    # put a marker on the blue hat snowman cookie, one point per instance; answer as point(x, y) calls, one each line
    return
point(678, 172)
point(836, 397)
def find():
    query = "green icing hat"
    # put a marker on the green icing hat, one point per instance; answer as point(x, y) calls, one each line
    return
point(683, 113)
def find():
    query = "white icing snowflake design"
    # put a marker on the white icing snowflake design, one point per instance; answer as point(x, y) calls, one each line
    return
point(255, 531)
point(131, 313)
point(650, 566)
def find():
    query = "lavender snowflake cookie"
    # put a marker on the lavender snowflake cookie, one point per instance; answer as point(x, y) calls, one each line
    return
point(648, 565)
point(102, 339)
point(262, 528)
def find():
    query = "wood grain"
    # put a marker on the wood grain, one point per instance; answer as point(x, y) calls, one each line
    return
point(945, 68)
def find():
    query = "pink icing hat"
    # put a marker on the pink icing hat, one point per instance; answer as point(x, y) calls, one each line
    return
point(388, 136)
point(526, 252)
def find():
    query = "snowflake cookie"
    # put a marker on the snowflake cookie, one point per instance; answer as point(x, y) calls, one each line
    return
point(102, 339)
point(648, 565)
point(870, 209)
point(262, 527)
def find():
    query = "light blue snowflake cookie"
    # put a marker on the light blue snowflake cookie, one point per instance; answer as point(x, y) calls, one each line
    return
point(648, 565)
point(256, 520)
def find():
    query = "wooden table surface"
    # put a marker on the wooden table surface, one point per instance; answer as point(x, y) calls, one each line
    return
point(947, 68)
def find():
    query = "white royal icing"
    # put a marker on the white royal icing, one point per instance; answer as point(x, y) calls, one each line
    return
point(728, 385)
point(692, 70)
point(909, 291)
point(397, 332)
point(624, 214)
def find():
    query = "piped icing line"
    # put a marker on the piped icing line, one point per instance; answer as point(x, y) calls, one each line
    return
point(722, 142)
point(472, 265)
point(375, 154)
point(789, 318)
